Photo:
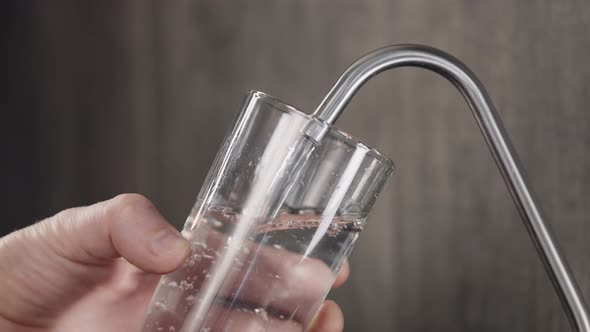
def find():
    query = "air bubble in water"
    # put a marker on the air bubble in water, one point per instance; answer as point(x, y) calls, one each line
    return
point(200, 244)
point(186, 285)
point(160, 305)
point(358, 224)
point(216, 223)
point(190, 299)
point(238, 262)
point(261, 313)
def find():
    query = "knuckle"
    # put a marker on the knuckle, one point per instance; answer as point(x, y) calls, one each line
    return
point(63, 216)
point(126, 205)
point(64, 220)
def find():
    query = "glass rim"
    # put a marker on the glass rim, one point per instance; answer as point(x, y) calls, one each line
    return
point(346, 138)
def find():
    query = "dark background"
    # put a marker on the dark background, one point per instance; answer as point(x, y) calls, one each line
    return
point(104, 97)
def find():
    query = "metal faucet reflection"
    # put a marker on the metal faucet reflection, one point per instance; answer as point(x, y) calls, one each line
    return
point(495, 135)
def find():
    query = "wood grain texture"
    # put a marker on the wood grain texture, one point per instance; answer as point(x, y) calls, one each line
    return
point(136, 96)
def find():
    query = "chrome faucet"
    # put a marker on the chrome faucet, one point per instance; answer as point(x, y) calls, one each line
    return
point(495, 135)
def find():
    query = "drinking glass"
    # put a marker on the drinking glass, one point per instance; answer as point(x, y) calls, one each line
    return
point(277, 216)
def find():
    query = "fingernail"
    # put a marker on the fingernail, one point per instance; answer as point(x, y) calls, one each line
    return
point(168, 241)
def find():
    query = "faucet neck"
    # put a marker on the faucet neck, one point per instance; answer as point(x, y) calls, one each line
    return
point(496, 137)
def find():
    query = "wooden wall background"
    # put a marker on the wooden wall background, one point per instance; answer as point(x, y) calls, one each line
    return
point(103, 97)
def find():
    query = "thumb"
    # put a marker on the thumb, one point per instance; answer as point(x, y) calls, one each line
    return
point(127, 226)
point(328, 319)
point(49, 264)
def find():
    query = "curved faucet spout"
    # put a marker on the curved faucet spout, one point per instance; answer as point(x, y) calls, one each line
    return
point(495, 135)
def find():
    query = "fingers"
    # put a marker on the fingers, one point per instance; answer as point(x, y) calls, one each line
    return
point(127, 226)
point(328, 319)
point(261, 276)
point(222, 319)
point(142, 236)
point(342, 275)
point(283, 282)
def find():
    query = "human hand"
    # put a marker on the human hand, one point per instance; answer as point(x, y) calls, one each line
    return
point(95, 268)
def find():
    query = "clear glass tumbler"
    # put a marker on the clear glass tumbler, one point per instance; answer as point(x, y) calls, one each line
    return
point(275, 219)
